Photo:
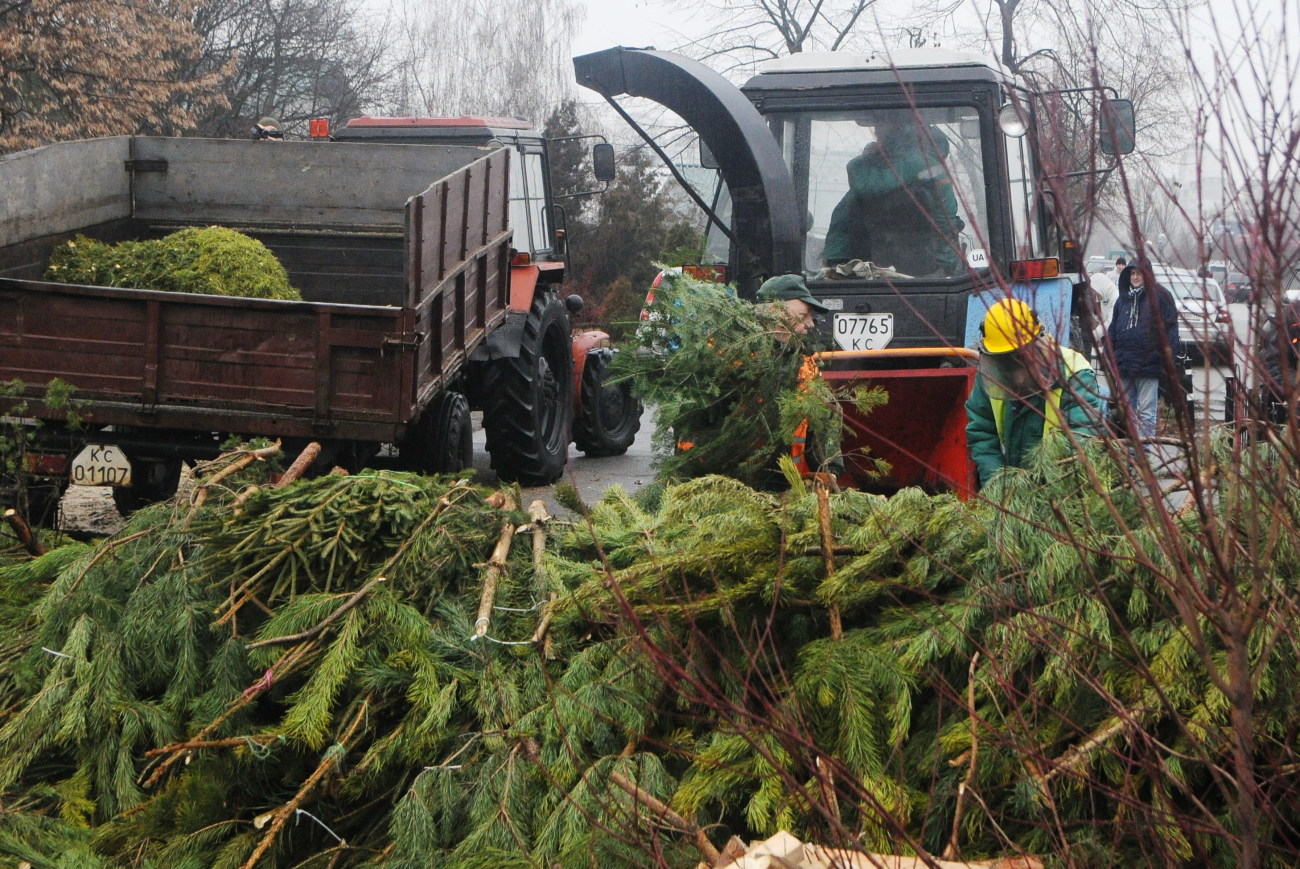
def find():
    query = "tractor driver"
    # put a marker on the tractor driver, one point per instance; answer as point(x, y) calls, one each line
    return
point(900, 210)
point(1027, 386)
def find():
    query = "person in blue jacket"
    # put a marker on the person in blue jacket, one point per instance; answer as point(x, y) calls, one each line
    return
point(1144, 340)
point(1028, 386)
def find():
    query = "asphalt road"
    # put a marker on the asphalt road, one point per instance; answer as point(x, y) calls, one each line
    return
point(591, 477)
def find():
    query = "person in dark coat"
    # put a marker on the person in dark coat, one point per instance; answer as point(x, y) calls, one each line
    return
point(1144, 340)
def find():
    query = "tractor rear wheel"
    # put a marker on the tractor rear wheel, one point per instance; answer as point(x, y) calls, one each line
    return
point(611, 414)
point(528, 399)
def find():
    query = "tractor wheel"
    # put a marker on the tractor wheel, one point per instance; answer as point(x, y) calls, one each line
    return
point(442, 442)
point(152, 480)
point(528, 399)
point(611, 414)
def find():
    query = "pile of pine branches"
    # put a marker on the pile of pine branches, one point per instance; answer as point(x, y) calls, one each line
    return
point(209, 260)
point(387, 669)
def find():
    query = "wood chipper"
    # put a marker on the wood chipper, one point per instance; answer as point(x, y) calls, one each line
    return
point(905, 187)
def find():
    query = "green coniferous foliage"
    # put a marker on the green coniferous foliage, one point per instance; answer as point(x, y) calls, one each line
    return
point(727, 392)
point(212, 260)
point(290, 676)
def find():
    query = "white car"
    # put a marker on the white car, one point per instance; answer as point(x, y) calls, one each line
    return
point(1204, 321)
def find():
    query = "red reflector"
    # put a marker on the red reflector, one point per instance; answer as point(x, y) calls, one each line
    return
point(319, 128)
point(717, 274)
point(521, 259)
point(1035, 269)
point(45, 465)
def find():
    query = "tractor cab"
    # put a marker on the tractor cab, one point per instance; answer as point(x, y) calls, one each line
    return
point(538, 226)
point(905, 187)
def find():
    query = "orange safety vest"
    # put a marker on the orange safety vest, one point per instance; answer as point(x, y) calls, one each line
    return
point(799, 446)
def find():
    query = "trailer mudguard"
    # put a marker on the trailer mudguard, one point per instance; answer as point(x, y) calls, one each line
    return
point(762, 192)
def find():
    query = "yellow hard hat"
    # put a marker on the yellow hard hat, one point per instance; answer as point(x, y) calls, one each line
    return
point(1009, 325)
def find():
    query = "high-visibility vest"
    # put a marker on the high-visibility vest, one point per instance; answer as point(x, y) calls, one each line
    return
point(799, 447)
point(1074, 363)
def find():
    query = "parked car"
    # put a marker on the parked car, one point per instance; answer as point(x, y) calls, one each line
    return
point(1098, 264)
point(1237, 287)
point(1204, 321)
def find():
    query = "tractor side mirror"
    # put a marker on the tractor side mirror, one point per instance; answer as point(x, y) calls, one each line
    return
point(602, 161)
point(1118, 127)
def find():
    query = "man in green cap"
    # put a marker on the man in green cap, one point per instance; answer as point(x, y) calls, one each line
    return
point(796, 306)
point(790, 295)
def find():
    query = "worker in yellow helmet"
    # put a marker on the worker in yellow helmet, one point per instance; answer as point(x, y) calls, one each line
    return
point(1028, 385)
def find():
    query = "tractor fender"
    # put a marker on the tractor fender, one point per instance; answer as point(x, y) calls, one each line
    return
point(525, 281)
point(526, 278)
point(584, 343)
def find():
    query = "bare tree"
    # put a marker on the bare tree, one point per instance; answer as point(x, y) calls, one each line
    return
point(751, 31)
point(476, 57)
point(81, 68)
point(293, 59)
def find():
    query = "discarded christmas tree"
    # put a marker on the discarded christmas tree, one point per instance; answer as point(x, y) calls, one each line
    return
point(730, 384)
point(385, 669)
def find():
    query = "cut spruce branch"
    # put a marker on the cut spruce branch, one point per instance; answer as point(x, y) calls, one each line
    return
point(243, 461)
point(24, 533)
point(299, 466)
point(316, 631)
point(953, 849)
point(497, 566)
point(537, 512)
point(333, 757)
point(663, 813)
point(288, 662)
point(822, 488)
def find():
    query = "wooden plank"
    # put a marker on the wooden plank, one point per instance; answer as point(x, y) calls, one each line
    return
point(206, 356)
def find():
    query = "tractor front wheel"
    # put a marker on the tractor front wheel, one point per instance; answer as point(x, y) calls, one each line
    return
point(528, 399)
point(611, 414)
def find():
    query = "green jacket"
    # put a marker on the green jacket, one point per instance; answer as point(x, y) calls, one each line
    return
point(1081, 410)
point(900, 210)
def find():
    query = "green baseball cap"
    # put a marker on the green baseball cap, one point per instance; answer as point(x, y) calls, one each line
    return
point(784, 287)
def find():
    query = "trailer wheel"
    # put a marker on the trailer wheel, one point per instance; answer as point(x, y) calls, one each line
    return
point(443, 441)
point(611, 414)
point(528, 399)
point(43, 500)
point(153, 480)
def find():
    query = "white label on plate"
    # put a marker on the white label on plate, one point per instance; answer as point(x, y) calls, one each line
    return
point(863, 331)
point(100, 465)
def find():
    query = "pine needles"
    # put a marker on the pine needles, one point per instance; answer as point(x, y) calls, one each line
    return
point(727, 393)
point(211, 260)
point(293, 676)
